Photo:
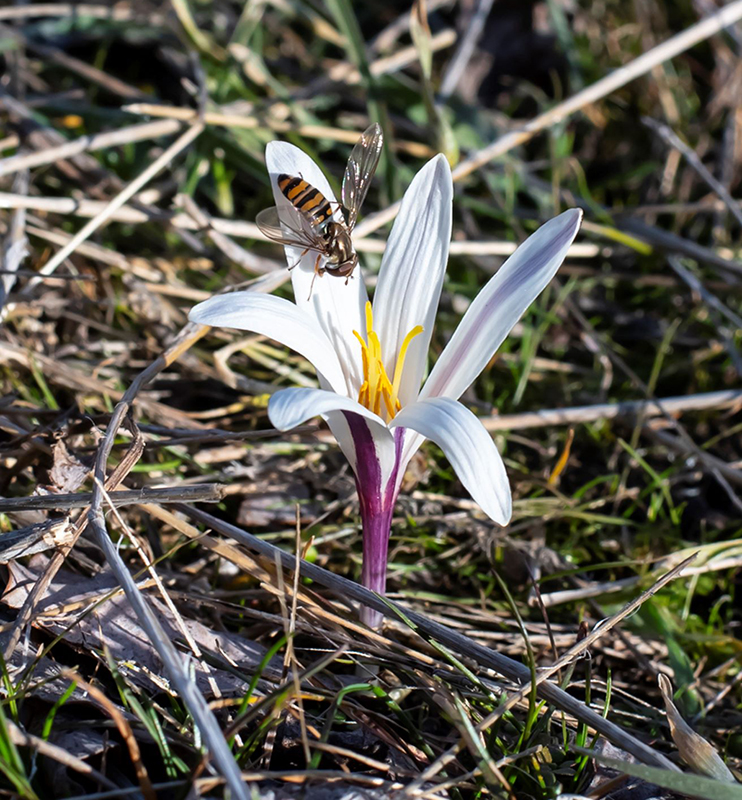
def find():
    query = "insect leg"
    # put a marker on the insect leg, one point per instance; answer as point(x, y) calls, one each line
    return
point(317, 271)
point(296, 263)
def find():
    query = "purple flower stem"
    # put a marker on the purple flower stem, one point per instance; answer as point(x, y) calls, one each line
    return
point(376, 530)
point(377, 506)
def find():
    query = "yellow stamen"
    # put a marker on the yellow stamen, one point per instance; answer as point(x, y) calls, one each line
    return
point(376, 388)
point(416, 331)
point(369, 317)
point(363, 394)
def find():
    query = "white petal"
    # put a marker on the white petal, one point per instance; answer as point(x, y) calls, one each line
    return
point(290, 407)
point(412, 272)
point(467, 446)
point(279, 319)
point(337, 306)
point(364, 438)
point(500, 304)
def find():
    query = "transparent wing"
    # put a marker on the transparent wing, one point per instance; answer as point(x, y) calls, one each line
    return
point(291, 228)
point(360, 170)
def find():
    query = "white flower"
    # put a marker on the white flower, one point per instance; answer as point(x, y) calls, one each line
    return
point(370, 359)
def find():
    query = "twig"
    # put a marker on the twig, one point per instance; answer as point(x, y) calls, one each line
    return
point(174, 663)
point(15, 248)
point(49, 535)
point(611, 587)
point(717, 310)
point(483, 655)
point(674, 46)
point(670, 137)
point(458, 63)
point(29, 273)
point(89, 143)
point(667, 240)
point(709, 298)
point(248, 230)
point(629, 408)
point(118, 13)
point(81, 68)
point(193, 493)
point(415, 149)
point(680, 445)
point(129, 191)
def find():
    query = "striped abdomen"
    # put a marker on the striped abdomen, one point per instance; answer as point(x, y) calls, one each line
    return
point(305, 198)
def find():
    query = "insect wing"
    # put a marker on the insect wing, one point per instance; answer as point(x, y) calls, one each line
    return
point(360, 170)
point(289, 229)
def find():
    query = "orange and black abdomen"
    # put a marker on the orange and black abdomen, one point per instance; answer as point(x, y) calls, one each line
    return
point(305, 198)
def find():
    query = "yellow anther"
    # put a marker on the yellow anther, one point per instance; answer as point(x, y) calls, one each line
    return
point(416, 331)
point(376, 387)
point(369, 317)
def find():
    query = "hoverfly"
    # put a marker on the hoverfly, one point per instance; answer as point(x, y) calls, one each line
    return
point(308, 221)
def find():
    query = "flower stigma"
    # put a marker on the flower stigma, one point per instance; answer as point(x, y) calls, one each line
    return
point(376, 387)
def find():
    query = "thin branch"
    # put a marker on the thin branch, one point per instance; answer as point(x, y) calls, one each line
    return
point(464, 51)
point(15, 247)
point(671, 138)
point(89, 143)
point(174, 662)
point(728, 398)
point(192, 493)
point(248, 230)
point(544, 674)
point(118, 13)
point(708, 298)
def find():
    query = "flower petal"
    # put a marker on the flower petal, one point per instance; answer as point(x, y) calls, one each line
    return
point(337, 306)
point(412, 272)
point(364, 438)
point(500, 304)
point(290, 407)
point(279, 319)
point(468, 447)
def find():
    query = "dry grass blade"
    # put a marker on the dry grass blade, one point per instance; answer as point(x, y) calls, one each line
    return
point(731, 398)
point(670, 137)
point(678, 44)
point(59, 754)
point(15, 246)
point(156, 166)
point(124, 729)
point(121, 136)
point(457, 641)
point(699, 754)
point(173, 661)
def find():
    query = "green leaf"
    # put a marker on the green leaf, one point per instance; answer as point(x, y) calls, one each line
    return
point(693, 785)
